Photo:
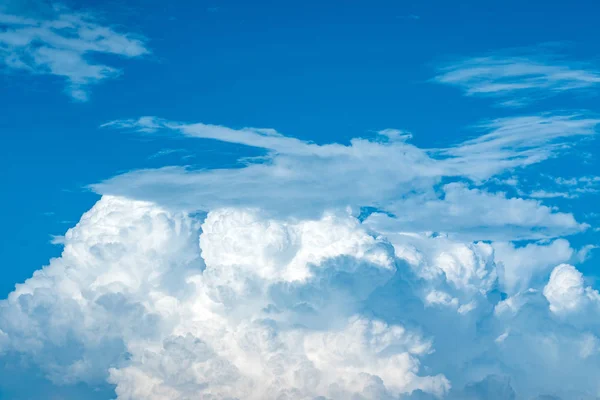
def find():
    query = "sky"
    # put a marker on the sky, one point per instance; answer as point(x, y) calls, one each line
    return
point(299, 200)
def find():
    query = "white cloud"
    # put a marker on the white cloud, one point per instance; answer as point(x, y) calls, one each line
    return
point(166, 152)
point(550, 187)
point(519, 265)
point(515, 78)
point(543, 194)
point(57, 239)
point(528, 138)
point(576, 186)
point(60, 44)
point(250, 306)
point(566, 291)
point(302, 178)
point(585, 180)
point(271, 319)
point(475, 214)
point(454, 274)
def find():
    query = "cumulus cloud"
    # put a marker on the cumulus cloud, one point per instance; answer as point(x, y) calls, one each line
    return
point(60, 42)
point(519, 265)
point(239, 304)
point(515, 78)
point(566, 291)
point(264, 313)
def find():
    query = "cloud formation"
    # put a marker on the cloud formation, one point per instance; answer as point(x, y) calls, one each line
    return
point(263, 314)
point(240, 305)
point(517, 79)
point(60, 43)
point(372, 270)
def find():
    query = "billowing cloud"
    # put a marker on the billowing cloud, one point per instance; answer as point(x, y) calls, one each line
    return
point(519, 265)
point(566, 291)
point(60, 42)
point(239, 304)
point(271, 309)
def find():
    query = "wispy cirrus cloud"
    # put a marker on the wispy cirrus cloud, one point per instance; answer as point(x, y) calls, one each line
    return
point(516, 79)
point(521, 140)
point(59, 43)
point(167, 152)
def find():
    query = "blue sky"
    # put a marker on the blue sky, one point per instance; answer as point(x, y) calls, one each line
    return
point(323, 73)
